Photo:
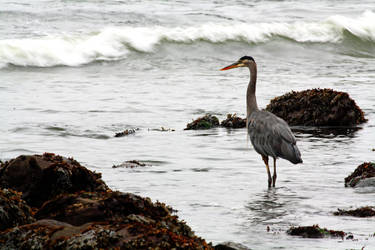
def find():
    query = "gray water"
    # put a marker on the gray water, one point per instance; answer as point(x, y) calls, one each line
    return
point(73, 73)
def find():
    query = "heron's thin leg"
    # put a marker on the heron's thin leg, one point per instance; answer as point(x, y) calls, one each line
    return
point(274, 172)
point(265, 159)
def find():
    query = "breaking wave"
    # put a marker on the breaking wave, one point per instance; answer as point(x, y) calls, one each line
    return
point(114, 43)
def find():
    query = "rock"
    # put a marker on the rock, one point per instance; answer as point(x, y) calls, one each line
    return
point(359, 212)
point(230, 246)
point(317, 107)
point(80, 208)
point(13, 210)
point(81, 212)
point(205, 122)
point(43, 177)
point(363, 175)
point(233, 121)
point(51, 234)
point(125, 132)
point(130, 164)
point(314, 232)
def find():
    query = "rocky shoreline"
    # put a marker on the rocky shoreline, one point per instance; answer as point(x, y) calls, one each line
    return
point(48, 201)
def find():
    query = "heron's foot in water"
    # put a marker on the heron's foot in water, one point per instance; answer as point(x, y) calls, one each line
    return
point(274, 180)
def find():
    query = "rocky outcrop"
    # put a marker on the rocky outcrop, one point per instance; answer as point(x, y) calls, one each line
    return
point(233, 121)
point(314, 232)
point(317, 107)
point(363, 175)
point(359, 212)
point(43, 177)
point(76, 210)
point(206, 122)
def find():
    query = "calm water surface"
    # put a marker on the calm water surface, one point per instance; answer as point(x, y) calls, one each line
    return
point(73, 73)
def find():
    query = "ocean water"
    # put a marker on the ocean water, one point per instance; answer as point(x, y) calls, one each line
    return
point(73, 73)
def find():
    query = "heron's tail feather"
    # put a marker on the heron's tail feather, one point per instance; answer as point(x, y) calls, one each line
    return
point(291, 153)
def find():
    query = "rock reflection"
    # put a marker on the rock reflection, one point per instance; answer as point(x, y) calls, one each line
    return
point(327, 132)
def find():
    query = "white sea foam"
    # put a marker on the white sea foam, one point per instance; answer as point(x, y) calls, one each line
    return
point(115, 43)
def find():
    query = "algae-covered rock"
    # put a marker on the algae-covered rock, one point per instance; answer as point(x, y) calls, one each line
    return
point(206, 122)
point(314, 232)
point(84, 207)
point(42, 177)
point(13, 210)
point(126, 132)
point(80, 212)
point(233, 121)
point(366, 211)
point(52, 234)
point(361, 175)
point(317, 107)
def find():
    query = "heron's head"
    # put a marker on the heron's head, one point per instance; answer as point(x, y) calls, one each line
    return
point(244, 61)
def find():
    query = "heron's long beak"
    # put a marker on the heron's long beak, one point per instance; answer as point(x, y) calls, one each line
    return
point(232, 66)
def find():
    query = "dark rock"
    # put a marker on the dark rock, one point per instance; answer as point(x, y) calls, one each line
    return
point(99, 219)
point(314, 232)
point(233, 121)
point(42, 177)
point(125, 132)
point(130, 164)
point(359, 212)
point(230, 246)
point(205, 122)
point(84, 207)
point(51, 234)
point(317, 107)
point(362, 172)
point(13, 210)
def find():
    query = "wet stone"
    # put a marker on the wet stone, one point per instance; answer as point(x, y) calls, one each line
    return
point(366, 211)
point(363, 175)
point(314, 232)
point(43, 177)
point(206, 122)
point(233, 121)
point(126, 132)
point(13, 210)
point(130, 164)
point(317, 107)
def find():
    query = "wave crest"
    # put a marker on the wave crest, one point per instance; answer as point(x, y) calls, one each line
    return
point(115, 43)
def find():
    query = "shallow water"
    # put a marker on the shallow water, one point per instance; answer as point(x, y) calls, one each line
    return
point(71, 79)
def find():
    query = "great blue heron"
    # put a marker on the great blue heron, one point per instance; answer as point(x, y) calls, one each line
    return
point(269, 134)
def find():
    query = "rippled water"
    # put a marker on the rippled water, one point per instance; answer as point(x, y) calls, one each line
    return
point(108, 66)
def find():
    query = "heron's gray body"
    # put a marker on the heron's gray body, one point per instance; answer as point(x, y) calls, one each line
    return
point(271, 136)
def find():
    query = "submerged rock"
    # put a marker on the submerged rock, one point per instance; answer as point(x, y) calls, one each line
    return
point(317, 107)
point(363, 175)
point(43, 177)
point(126, 132)
point(359, 212)
point(233, 121)
point(314, 232)
point(130, 164)
point(228, 245)
point(13, 210)
point(80, 212)
point(206, 122)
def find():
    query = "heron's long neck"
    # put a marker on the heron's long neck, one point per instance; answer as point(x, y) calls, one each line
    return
point(251, 99)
